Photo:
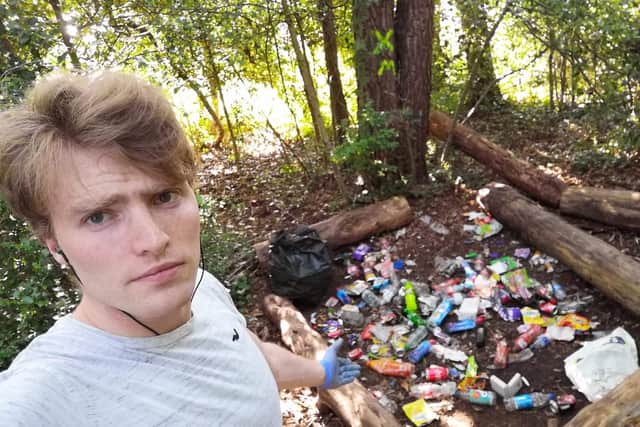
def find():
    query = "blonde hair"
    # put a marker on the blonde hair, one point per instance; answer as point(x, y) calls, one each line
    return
point(104, 111)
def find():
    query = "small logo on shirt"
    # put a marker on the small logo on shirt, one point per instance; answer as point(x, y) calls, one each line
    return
point(236, 335)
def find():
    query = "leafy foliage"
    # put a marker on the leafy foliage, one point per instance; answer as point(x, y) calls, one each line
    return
point(366, 145)
point(33, 289)
point(224, 252)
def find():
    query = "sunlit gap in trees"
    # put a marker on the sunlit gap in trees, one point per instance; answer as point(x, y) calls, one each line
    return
point(247, 103)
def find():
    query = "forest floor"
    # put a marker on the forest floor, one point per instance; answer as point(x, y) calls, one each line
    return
point(259, 198)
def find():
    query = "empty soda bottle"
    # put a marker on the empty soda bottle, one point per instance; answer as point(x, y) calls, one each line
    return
point(440, 373)
point(526, 338)
point(416, 337)
point(410, 297)
point(478, 397)
point(528, 401)
point(371, 298)
point(432, 390)
point(390, 291)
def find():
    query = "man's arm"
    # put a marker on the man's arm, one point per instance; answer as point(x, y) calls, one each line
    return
point(290, 370)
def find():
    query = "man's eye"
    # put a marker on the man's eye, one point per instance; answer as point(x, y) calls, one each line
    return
point(96, 218)
point(166, 197)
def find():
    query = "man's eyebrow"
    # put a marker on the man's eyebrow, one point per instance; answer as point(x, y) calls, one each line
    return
point(88, 205)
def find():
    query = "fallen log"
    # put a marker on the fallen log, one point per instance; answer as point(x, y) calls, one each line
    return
point(617, 207)
point(535, 182)
point(617, 275)
point(355, 225)
point(619, 408)
point(351, 402)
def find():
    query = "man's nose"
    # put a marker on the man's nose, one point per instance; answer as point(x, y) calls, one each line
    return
point(148, 234)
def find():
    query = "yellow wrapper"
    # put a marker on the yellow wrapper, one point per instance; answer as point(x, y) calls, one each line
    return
point(531, 316)
point(575, 321)
point(419, 413)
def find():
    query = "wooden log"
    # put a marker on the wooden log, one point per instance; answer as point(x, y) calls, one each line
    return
point(533, 181)
point(618, 207)
point(355, 225)
point(617, 275)
point(351, 402)
point(619, 408)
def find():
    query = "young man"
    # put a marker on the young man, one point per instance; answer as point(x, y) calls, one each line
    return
point(100, 168)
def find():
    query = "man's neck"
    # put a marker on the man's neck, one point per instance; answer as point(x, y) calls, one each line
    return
point(117, 322)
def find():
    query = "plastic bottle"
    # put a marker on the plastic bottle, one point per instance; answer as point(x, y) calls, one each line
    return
point(343, 297)
point(432, 390)
point(478, 397)
point(415, 319)
point(541, 342)
point(390, 291)
point(410, 297)
point(460, 326)
point(440, 335)
point(391, 367)
point(502, 354)
point(528, 401)
point(526, 338)
point(440, 373)
point(416, 337)
point(371, 298)
point(417, 354)
point(440, 313)
point(468, 270)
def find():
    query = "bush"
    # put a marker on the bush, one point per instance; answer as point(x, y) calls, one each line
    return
point(33, 289)
point(224, 252)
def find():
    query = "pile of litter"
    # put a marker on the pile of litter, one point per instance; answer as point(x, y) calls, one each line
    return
point(412, 330)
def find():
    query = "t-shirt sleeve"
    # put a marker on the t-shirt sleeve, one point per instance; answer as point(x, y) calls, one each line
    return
point(33, 398)
point(217, 290)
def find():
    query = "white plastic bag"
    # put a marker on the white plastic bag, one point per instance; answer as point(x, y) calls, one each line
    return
point(602, 364)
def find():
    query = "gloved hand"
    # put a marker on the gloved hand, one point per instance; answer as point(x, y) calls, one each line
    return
point(338, 370)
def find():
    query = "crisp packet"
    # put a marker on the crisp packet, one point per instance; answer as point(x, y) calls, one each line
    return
point(419, 412)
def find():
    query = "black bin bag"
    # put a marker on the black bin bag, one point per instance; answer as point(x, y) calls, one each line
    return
point(300, 265)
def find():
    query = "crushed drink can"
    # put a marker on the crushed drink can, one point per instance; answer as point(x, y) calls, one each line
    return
point(480, 337)
point(502, 354)
point(510, 314)
point(562, 403)
point(547, 308)
point(355, 354)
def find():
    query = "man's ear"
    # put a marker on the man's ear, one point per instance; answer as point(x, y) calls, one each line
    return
point(55, 250)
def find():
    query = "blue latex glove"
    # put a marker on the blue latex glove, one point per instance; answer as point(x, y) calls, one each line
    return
point(338, 370)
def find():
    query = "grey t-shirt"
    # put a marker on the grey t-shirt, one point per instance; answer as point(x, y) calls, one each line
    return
point(206, 372)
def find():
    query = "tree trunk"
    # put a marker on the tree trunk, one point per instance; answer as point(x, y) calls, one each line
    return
point(352, 402)
point(339, 111)
point(355, 225)
point(309, 86)
point(414, 35)
point(618, 207)
point(619, 408)
point(615, 274)
point(474, 25)
point(541, 186)
point(375, 55)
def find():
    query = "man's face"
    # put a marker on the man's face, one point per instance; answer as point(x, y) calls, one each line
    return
point(132, 238)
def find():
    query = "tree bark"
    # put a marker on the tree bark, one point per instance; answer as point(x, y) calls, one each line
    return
point(414, 35)
point(536, 183)
point(339, 111)
point(619, 408)
point(617, 275)
point(309, 86)
point(372, 20)
point(617, 207)
point(355, 225)
point(351, 402)
point(476, 31)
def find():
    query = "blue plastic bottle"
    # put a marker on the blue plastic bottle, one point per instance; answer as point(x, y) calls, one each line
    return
point(439, 314)
point(420, 352)
point(462, 325)
point(528, 401)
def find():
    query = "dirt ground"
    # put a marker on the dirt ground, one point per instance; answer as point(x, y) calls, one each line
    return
point(257, 204)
